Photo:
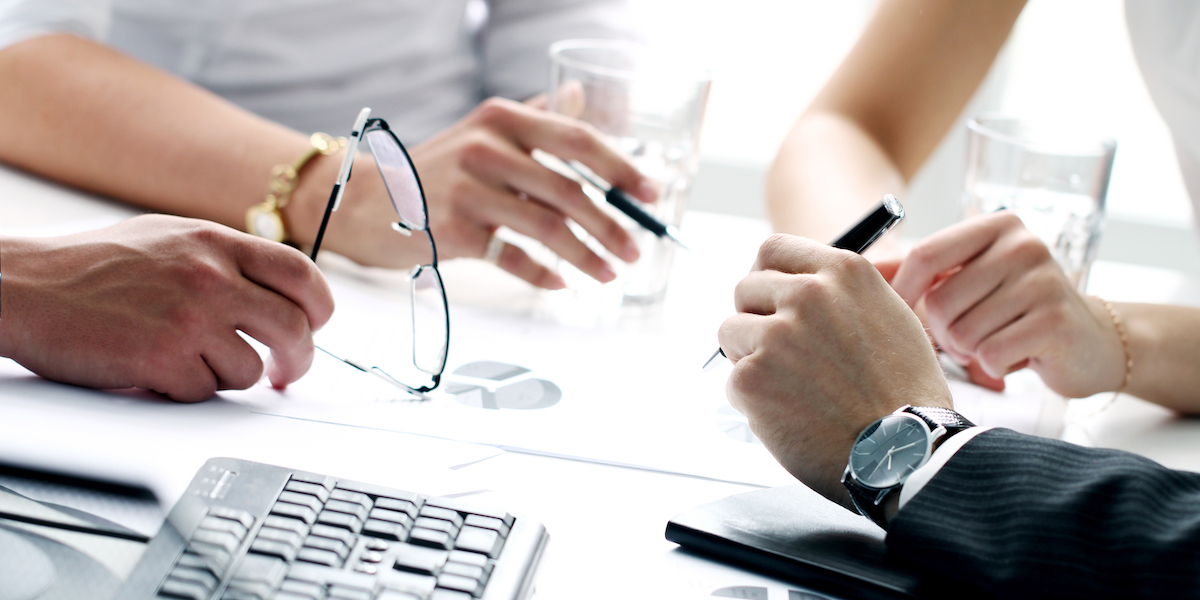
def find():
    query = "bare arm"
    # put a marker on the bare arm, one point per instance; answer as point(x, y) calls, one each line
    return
point(1164, 342)
point(76, 111)
point(884, 110)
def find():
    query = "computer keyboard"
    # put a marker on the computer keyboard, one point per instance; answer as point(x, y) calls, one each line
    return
point(246, 530)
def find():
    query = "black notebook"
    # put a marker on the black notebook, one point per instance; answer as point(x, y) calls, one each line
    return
point(795, 534)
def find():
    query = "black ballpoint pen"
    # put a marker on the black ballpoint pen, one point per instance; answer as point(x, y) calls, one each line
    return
point(621, 200)
point(857, 239)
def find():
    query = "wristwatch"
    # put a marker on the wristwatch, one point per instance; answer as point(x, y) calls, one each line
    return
point(890, 449)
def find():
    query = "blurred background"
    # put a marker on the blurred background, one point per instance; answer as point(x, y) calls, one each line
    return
point(1067, 59)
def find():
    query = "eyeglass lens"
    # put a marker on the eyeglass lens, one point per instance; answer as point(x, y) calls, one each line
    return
point(400, 179)
point(429, 321)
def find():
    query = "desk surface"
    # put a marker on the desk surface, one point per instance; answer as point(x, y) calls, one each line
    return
point(606, 522)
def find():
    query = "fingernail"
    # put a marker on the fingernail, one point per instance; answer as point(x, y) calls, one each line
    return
point(556, 283)
point(647, 191)
point(606, 274)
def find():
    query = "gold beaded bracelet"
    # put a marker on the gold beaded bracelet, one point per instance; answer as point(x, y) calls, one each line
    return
point(265, 219)
point(1120, 327)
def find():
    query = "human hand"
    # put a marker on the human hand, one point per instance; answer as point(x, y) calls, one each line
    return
point(994, 296)
point(156, 302)
point(821, 348)
point(479, 175)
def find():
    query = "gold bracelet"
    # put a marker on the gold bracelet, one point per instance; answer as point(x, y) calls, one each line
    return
point(265, 219)
point(1120, 327)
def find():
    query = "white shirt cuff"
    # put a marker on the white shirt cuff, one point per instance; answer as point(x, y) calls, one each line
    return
point(941, 456)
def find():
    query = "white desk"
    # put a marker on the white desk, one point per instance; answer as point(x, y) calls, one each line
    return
point(606, 522)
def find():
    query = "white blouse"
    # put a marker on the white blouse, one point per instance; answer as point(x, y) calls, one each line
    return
point(1165, 35)
point(312, 64)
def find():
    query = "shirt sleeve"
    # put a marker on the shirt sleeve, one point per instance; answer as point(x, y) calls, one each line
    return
point(24, 19)
point(516, 40)
point(941, 456)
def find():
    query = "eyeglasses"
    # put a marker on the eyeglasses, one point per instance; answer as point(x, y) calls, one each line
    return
point(429, 312)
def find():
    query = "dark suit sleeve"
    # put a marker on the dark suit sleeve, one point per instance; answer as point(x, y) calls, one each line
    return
point(1026, 517)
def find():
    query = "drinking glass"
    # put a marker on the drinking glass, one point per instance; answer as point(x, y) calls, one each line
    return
point(1053, 177)
point(650, 106)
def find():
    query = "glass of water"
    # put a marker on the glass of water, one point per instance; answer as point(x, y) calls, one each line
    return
point(650, 106)
point(1054, 178)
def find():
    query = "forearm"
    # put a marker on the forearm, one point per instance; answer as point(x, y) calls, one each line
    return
point(827, 173)
point(81, 113)
point(1164, 343)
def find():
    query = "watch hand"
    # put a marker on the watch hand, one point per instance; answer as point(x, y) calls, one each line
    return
point(890, 458)
point(880, 463)
point(899, 448)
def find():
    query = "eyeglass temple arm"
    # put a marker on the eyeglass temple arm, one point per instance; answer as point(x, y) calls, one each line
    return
point(335, 197)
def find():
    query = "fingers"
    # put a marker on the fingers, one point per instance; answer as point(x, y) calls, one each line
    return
point(948, 249)
point(280, 325)
point(543, 224)
point(516, 261)
point(740, 335)
point(508, 168)
point(567, 139)
point(793, 254)
point(287, 272)
point(233, 363)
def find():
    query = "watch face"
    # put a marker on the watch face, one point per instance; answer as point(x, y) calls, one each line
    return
point(889, 450)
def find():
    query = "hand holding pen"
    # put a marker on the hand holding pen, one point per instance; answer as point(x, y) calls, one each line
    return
point(857, 239)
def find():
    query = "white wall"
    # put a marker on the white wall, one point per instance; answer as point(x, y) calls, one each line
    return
point(1066, 59)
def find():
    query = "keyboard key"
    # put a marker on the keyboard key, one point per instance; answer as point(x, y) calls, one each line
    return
point(386, 530)
point(273, 548)
point(338, 547)
point(302, 499)
point(201, 576)
point(339, 592)
point(212, 523)
point(320, 557)
point(358, 498)
point(396, 595)
point(450, 504)
point(312, 489)
point(189, 590)
point(287, 523)
point(339, 519)
point(225, 540)
point(443, 514)
point(295, 511)
point(464, 570)
point(302, 588)
point(458, 582)
point(371, 557)
point(321, 575)
point(285, 536)
point(377, 545)
point(365, 568)
point(424, 561)
point(259, 569)
point(233, 514)
point(470, 558)
point(487, 523)
point(394, 516)
point(437, 525)
point(195, 561)
point(430, 537)
point(442, 594)
point(397, 505)
point(483, 541)
point(410, 583)
point(321, 480)
point(292, 596)
point(350, 508)
point(217, 556)
point(335, 533)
